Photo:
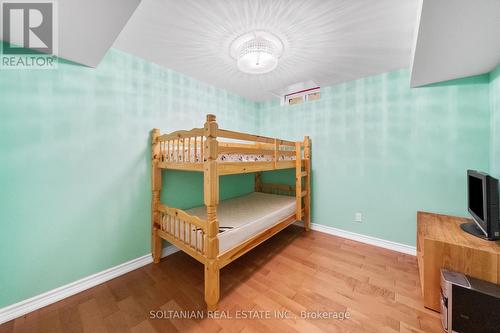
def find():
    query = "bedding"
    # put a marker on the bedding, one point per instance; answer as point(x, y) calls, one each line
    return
point(252, 158)
point(230, 157)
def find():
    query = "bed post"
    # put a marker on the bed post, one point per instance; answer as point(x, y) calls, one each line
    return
point(156, 183)
point(307, 183)
point(211, 198)
point(298, 180)
point(258, 182)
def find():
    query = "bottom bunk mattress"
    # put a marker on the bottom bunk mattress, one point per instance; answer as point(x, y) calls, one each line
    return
point(243, 217)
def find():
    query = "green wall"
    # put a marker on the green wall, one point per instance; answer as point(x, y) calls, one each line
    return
point(191, 184)
point(387, 151)
point(75, 170)
point(495, 121)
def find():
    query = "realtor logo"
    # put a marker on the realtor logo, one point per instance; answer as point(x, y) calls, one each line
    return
point(29, 32)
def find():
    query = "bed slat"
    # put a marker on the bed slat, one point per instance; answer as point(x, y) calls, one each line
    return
point(251, 137)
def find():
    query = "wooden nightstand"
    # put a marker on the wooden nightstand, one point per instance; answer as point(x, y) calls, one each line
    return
point(442, 244)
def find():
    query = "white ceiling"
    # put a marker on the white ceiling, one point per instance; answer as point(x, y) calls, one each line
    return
point(456, 38)
point(327, 41)
point(87, 29)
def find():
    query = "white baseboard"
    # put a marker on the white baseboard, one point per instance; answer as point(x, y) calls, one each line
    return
point(34, 303)
point(398, 247)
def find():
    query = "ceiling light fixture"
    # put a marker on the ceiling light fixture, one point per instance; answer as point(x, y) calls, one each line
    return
point(257, 52)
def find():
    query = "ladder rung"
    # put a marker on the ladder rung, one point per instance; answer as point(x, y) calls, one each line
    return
point(303, 194)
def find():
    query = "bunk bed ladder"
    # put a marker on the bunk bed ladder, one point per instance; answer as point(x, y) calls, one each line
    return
point(302, 187)
point(307, 183)
point(156, 184)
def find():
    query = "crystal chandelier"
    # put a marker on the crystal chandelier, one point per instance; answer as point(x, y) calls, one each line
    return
point(257, 52)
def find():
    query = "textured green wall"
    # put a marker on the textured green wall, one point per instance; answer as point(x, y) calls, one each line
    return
point(495, 121)
point(74, 165)
point(387, 151)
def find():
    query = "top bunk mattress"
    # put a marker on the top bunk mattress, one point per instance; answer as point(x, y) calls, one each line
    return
point(243, 217)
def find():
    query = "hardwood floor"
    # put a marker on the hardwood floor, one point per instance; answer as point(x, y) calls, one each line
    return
point(294, 271)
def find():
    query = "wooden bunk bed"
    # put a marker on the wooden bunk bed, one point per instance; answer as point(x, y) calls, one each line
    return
point(217, 152)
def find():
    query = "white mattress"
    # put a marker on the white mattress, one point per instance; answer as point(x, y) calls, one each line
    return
point(243, 217)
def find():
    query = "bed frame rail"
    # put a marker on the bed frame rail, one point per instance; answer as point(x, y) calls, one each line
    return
point(251, 137)
point(181, 148)
point(187, 150)
point(271, 188)
point(185, 231)
point(254, 149)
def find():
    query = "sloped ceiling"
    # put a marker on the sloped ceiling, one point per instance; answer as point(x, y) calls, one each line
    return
point(456, 38)
point(87, 29)
point(326, 41)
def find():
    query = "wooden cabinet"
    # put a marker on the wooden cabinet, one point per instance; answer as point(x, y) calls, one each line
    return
point(442, 244)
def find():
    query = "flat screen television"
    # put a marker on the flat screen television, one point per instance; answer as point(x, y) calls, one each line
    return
point(482, 198)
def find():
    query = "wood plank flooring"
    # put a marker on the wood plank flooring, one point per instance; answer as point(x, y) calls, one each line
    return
point(294, 271)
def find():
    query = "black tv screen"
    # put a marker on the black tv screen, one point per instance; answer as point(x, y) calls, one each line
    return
point(483, 205)
point(476, 193)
